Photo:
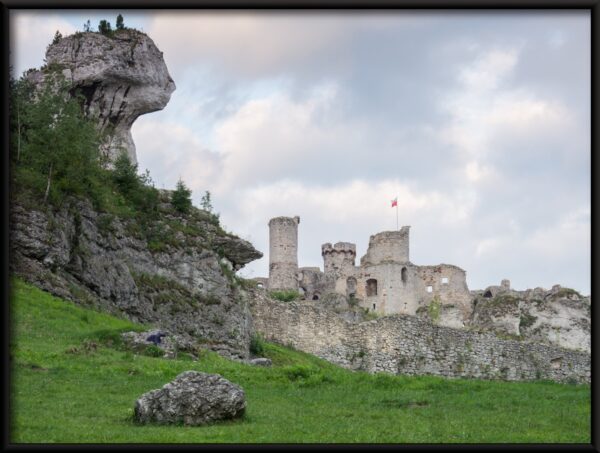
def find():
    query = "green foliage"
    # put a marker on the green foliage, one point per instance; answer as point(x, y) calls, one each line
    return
point(300, 399)
point(526, 320)
point(105, 28)
point(205, 202)
point(56, 146)
point(182, 198)
point(57, 37)
point(257, 344)
point(285, 296)
point(434, 309)
point(120, 25)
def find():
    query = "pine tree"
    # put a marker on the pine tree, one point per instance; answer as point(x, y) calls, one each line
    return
point(182, 198)
point(120, 25)
point(57, 37)
point(205, 202)
point(104, 27)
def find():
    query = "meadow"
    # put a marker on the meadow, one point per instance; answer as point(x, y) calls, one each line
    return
point(72, 381)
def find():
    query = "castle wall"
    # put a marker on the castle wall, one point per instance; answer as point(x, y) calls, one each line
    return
point(283, 253)
point(403, 344)
point(397, 288)
point(312, 283)
point(448, 284)
point(387, 246)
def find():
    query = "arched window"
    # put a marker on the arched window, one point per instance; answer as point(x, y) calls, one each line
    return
point(488, 293)
point(351, 286)
point(316, 297)
point(371, 287)
point(260, 285)
point(404, 275)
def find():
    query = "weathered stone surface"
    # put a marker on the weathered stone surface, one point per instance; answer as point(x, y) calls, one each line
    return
point(559, 316)
point(168, 342)
point(260, 361)
point(404, 344)
point(192, 398)
point(121, 77)
point(182, 289)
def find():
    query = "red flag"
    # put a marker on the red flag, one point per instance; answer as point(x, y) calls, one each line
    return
point(395, 202)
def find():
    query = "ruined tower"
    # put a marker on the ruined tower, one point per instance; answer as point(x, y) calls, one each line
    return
point(388, 246)
point(338, 259)
point(283, 253)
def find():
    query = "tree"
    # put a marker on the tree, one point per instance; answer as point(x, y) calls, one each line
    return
point(182, 197)
point(125, 174)
point(57, 37)
point(205, 202)
point(104, 27)
point(120, 25)
point(87, 27)
point(57, 147)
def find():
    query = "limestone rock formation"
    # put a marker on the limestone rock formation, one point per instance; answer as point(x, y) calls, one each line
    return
point(105, 262)
point(559, 316)
point(121, 77)
point(192, 398)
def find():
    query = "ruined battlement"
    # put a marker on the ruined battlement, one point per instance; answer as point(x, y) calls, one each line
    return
point(388, 246)
point(339, 247)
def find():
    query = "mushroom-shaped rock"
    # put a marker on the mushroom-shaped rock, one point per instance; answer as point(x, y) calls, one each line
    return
point(121, 77)
point(192, 398)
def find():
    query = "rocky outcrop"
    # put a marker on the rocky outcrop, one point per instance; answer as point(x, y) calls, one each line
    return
point(560, 316)
point(193, 398)
point(121, 77)
point(176, 281)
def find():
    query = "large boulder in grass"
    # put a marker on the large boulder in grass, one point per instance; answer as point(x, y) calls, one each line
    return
point(192, 398)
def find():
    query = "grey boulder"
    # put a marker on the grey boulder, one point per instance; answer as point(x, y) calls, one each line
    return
point(192, 398)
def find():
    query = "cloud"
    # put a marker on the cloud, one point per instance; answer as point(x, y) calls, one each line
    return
point(31, 32)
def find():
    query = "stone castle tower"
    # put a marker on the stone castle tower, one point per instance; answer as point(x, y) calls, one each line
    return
point(388, 246)
point(283, 253)
point(339, 258)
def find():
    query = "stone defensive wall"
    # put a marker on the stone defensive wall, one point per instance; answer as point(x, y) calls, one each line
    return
point(402, 344)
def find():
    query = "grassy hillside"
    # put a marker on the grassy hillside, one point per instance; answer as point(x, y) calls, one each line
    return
point(72, 382)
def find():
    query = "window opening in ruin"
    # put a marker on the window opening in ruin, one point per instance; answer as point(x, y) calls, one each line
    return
point(260, 285)
point(430, 289)
point(371, 287)
point(351, 286)
point(302, 292)
point(374, 306)
point(488, 293)
point(444, 280)
point(404, 276)
point(316, 297)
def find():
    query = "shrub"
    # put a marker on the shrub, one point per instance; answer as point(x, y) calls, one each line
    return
point(120, 25)
point(105, 28)
point(181, 198)
point(256, 344)
point(285, 296)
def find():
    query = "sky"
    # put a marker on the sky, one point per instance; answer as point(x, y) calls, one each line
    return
point(478, 122)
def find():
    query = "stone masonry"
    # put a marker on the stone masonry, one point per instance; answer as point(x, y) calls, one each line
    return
point(283, 253)
point(401, 344)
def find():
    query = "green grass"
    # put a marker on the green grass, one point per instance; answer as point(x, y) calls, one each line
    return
point(71, 382)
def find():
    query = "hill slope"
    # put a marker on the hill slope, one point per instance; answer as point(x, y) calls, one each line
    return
point(72, 382)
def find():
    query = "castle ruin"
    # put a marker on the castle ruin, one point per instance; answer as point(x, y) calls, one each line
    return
point(385, 282)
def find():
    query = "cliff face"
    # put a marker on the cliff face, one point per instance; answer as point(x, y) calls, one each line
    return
point(184, 284)
point(121, 77)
